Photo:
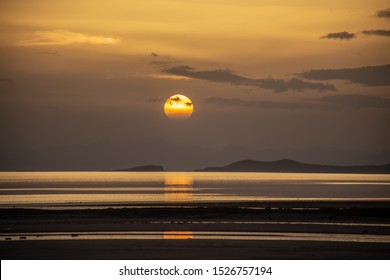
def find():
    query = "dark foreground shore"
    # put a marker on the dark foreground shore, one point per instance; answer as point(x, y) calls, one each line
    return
point(348, 230)
point(192, 249)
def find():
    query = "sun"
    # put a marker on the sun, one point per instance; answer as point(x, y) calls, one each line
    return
point(178, 107)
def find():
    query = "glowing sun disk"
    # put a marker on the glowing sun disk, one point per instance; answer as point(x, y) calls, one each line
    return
point(178, 107)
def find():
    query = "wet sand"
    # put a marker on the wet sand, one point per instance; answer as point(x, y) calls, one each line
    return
point(326, 218)
point(191, 249)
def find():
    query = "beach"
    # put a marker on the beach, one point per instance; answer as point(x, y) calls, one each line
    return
point(224, 230)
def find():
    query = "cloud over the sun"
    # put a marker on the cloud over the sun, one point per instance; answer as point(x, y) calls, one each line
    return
point(64, 37)
point(367, 75)
point(228, 76)
point(340, 35)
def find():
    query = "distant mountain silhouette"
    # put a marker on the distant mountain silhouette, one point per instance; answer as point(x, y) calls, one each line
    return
point(287, 165)
point(148, 168)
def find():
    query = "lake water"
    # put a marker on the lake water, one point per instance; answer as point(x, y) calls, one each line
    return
point(86, 188)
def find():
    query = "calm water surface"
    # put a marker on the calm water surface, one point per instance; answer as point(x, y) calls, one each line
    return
point(52, 188)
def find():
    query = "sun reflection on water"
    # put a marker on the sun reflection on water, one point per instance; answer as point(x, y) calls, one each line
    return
point(178, 187)
point(178, 235)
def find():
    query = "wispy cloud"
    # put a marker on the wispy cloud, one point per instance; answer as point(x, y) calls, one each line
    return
point(328, 103)
point(383, 13)
point(177, 99)
point(236, 102)
point(52, 53)
point(65, 37)
point(167, 77)
point(294, 84)
point(377, 32)
point(368, 75)
point(340, 35)
point(356, 101)
point(228, 76)
point(348, 36)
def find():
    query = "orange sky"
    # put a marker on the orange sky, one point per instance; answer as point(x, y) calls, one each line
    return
point(73, 64)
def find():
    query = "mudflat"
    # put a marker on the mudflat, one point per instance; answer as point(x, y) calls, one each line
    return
point(283, 230)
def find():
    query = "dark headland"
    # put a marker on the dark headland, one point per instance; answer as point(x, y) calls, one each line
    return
point(284, 165)
point(287, 165)
point(147, 168)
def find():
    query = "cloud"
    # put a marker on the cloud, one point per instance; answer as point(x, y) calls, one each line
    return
point(328, 103)
point(219, 75)
point(172, 100)
point(340, 35)
point(228, 76)
point(166, 77)
point(356, 101)
point(52, 53)
point(377, 32)
point(368, 75)
point(65, 37)
point(295, 85)
point(348, 36)
point(236, 102)
point(383, 13)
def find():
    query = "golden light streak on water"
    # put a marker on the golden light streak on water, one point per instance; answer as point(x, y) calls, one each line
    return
point(199, 235)
point(178, 187)
point(178, 235)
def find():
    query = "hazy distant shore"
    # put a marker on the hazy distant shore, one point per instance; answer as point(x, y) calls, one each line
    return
point(316, 217)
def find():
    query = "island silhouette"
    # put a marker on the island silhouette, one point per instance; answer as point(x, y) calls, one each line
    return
point(146, 168)
point(284, 165)
point(292, 166)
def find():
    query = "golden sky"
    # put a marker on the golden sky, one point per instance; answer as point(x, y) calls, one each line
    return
point(251, 58)
point(232, 33)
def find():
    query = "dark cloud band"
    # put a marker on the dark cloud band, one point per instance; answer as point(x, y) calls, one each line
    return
point(236, 102)
point(340, 35)
point(331, 102)
point(228, 76)
point(383, 13)
point(377, 32)
point(356, 101)
point(368, 75)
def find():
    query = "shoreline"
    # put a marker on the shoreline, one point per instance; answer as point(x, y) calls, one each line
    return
point(277, 203)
